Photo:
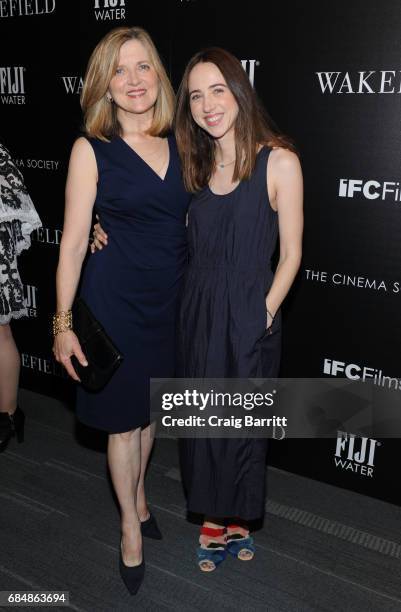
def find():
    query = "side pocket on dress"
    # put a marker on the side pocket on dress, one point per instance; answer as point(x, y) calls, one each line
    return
point(264, 331)
point(275, 325)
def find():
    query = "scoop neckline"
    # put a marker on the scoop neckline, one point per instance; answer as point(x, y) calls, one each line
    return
point(223, 195)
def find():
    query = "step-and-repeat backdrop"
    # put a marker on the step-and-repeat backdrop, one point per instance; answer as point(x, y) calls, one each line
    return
point(331, 78)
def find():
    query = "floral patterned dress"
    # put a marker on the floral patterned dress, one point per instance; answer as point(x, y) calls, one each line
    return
point(18, 219)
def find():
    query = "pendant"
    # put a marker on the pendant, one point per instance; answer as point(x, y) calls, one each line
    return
point(220, 165)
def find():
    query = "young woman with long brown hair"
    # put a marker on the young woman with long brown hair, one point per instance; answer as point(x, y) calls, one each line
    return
point(247, 185)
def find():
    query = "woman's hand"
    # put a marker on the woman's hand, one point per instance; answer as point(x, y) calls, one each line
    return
point(65, 345)
point(99, 238)
point(269, 319)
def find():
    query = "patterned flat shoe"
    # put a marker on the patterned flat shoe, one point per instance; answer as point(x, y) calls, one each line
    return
point(212, 549)
point(240, 543)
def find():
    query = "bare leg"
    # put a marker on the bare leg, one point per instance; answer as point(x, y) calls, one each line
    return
point(147, 439)
point(9, 370)
point(124, 457)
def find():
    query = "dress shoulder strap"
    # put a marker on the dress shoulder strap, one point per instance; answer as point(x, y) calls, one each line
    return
point(259, 172)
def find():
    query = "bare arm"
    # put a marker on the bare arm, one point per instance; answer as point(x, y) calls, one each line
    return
point(80, 196)
point(285, 186)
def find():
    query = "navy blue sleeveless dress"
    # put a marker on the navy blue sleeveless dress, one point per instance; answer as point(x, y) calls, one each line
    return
point(223, 334)
point(132, 285)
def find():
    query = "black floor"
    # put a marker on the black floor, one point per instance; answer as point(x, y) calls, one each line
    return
point(321, 548)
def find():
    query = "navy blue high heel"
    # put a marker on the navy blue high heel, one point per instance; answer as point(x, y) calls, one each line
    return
point(132, 576)
point(150, 528)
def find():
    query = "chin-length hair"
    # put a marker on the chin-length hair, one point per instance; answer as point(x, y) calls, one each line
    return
point(100, 115)
point(253, 126)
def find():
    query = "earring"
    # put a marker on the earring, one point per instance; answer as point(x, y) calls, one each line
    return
point(109, 99)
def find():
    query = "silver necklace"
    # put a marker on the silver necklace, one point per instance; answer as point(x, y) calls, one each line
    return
point(224, 165)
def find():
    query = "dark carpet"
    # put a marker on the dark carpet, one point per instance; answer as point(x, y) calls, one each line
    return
point(321, 548)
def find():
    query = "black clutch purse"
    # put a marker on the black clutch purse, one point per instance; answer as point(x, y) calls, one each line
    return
point(101, 353)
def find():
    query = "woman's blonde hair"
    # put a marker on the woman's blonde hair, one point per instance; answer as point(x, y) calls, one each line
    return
point(100, 115)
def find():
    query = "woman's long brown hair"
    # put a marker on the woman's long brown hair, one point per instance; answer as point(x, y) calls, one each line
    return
point(253, 126)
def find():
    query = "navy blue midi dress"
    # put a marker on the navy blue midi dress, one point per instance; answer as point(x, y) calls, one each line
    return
point(132, 286)
point(222, 328)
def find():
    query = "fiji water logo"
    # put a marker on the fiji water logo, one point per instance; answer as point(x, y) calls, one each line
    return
point(249, 65)
point(109, 10)
point(12, 84)
point(355, 453)
point(31, 300)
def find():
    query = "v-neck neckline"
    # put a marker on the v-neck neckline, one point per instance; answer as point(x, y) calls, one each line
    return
point(146, 163)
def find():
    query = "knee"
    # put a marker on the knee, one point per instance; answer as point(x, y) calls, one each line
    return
point(125, 436)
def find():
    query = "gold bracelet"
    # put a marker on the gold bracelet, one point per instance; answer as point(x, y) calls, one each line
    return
point(62, 321)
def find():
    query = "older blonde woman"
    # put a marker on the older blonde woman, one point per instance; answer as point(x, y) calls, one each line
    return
point(127, 167)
